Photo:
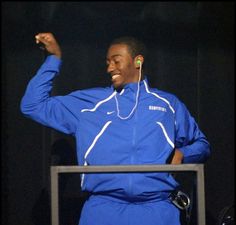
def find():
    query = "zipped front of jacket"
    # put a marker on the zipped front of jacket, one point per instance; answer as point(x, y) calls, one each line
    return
point(133, 150)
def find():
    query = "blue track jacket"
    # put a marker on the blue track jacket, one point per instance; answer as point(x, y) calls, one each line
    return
point(159, 124)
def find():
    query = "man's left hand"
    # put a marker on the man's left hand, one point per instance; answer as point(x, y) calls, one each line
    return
point(178, 157)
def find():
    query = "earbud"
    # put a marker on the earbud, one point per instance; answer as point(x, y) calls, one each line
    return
point(139, 62)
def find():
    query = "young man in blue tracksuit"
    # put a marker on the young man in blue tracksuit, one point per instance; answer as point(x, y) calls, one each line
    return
point(128, 123)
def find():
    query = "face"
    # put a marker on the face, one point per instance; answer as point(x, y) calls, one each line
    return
point(121, 66)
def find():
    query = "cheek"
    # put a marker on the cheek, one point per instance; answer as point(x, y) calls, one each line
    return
point(129, 71)
point(128, 68)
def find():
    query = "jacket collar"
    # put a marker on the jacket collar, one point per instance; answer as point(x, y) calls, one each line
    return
point(132, 86)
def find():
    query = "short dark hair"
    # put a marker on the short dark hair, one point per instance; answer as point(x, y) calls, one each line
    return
point(135, 46)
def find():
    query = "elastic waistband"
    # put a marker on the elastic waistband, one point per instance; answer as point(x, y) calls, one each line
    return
point(160, 196)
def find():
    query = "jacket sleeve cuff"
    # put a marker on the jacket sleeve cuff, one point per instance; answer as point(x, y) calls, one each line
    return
point(53, 63)
point(190, 157)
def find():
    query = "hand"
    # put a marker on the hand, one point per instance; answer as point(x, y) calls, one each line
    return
point(177, 157)
point(50, 43)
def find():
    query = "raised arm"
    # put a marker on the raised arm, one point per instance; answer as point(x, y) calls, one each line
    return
point(37, 102)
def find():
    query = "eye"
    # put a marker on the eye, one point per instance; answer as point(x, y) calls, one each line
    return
point(108, 63)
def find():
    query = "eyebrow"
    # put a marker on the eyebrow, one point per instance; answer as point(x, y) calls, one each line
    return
point(113, 56)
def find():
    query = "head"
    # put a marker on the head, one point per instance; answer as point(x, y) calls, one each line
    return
point(123, 60)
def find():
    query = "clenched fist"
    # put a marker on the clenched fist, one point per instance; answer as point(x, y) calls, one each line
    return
point(50, 43)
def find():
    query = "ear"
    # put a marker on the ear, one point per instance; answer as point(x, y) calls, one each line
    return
point(138, 60)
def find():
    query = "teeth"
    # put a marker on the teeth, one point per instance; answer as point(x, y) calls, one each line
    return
point(115, 76)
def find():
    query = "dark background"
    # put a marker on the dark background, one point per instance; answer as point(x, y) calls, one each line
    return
point(191, 54)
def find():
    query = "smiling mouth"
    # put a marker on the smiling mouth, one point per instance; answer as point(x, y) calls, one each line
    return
point(115, 76)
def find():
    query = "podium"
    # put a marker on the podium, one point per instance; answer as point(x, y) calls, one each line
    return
point(198, 170)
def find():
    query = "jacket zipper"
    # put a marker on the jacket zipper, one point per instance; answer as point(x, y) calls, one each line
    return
point(133, 150)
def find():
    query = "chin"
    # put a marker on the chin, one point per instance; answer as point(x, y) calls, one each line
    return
point(118, 86)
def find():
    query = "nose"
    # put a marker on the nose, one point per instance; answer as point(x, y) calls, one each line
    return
point(110, 67)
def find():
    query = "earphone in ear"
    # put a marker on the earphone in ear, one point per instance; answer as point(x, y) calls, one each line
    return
point(139, 62)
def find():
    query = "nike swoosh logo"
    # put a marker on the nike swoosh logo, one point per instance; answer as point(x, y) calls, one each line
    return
point(108, 113)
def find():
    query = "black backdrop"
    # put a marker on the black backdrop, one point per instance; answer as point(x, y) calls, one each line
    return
point(191, 54)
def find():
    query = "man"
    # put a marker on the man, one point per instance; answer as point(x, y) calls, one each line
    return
point(125, 124)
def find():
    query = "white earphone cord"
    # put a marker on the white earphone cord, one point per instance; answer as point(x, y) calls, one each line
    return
point(136, 100)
